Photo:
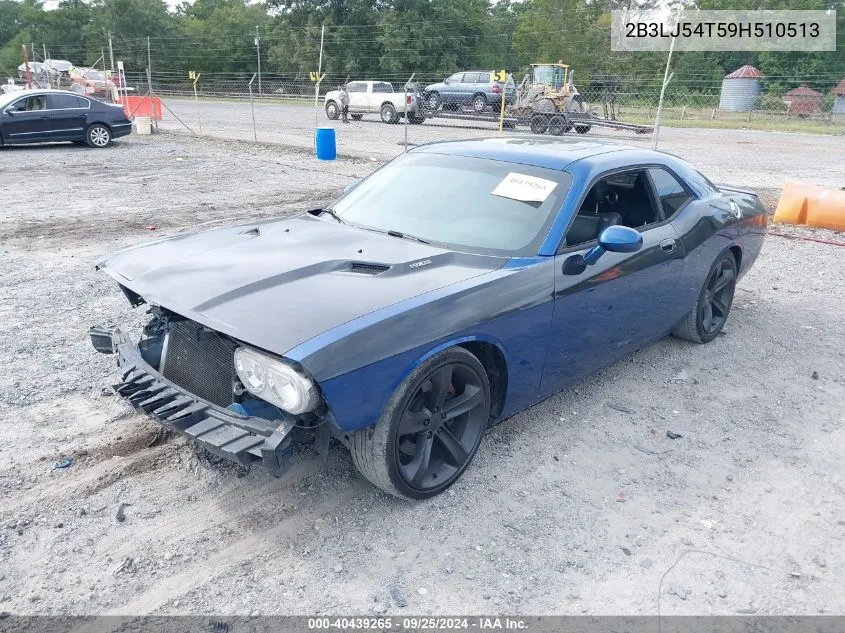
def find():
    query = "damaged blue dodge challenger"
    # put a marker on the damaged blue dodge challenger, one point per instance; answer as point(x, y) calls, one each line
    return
point(458, 284)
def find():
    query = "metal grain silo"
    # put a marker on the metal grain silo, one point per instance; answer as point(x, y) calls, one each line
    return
point(741, 89)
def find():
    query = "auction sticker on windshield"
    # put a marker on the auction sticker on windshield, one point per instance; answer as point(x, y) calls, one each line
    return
point(524, 188)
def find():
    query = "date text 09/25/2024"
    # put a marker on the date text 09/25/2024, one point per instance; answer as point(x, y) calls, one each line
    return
point(480, 623)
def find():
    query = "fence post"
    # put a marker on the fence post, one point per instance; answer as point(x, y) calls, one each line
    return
point(252, 109)
point(319, 79)
point(197, 101)
point(407, 84)
point(149, 83)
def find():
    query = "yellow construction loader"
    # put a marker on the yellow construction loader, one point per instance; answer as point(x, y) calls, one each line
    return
point(549, 99)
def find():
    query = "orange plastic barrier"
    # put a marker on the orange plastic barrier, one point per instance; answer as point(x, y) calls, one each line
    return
point(140, 106)
point(811, 205)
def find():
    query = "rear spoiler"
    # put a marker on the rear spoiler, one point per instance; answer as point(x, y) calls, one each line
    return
point(733, 189)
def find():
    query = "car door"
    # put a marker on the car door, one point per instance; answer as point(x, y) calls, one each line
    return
point(467, 87)
point(68, 116)
point(379, 95)
point(358, 96)
point(26, 120)
point(624, 300)
point(452, 89)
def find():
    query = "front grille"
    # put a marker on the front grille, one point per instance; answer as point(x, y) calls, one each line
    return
point(200, 361)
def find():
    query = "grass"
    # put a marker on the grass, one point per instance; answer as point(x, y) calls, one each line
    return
point(703, 118)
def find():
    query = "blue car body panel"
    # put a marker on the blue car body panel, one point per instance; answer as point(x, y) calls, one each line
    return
point(359, 338)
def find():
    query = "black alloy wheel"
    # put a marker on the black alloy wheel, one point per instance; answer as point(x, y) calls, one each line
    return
point(718, 296)
point(430, 429)
point(441, 426)
point(707, 318)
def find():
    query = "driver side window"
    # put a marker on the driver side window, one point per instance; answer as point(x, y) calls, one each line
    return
point(622, 198)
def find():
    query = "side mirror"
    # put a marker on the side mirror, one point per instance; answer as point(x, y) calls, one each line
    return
point(350, 186)
point(615, 239)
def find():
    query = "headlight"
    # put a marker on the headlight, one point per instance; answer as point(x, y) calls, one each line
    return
point(275, 382)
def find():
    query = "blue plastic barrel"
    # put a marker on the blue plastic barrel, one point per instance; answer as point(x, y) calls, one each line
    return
point(325, 143)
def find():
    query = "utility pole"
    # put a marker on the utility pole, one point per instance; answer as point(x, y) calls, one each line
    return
point(150, 84)
point(111, 54)
point(258, 55)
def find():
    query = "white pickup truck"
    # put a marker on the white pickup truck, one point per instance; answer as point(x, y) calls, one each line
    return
point(376, 97)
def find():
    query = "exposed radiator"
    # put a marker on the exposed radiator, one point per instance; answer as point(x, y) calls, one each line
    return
point(200, 361)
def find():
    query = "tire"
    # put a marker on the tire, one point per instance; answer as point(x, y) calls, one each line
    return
point(539, 123)
point(545, 106)
point(702, 325)
point(385, 453)
point(576, 106)
point(332, 110)
point(98, 136)
point(357, 117)
point(479, 103)
point(557, 125)
point(388, 113)
point(433, 101)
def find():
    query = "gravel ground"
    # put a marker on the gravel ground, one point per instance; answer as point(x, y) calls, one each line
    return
point(764, 160)
point(579, 505)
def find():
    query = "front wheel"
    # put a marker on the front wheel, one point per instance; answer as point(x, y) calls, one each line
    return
point(708, 316)
point(388, 113)
point(98, 136)
point(430, 429)
point(432, 101)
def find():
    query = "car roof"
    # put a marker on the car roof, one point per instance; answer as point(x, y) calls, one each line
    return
point(551, 153)
point(7, 98)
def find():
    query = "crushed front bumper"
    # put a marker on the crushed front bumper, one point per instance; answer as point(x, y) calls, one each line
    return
point(241, 439)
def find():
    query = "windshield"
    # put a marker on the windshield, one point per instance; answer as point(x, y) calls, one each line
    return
point(551, 76)
point(449, 200)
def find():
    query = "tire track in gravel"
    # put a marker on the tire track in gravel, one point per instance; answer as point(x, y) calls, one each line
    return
point(243, 548)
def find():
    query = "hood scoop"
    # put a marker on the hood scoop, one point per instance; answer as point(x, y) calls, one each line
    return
point(365, 268)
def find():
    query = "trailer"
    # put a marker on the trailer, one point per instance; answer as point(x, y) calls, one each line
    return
point(539, 123)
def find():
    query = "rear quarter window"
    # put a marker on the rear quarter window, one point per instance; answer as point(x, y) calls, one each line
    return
point(672, 194)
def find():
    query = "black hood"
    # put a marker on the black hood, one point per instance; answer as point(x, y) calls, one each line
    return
point(278, 284)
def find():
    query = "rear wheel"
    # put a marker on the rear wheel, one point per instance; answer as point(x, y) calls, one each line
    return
point(557, 125)
point(98, 136)
point(479, 103)
point(578, 108)
point(708, 316)
point(388, 113)
point(430, 429)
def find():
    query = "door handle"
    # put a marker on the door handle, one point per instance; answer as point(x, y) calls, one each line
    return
point(44, 118)
point(668, 245)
